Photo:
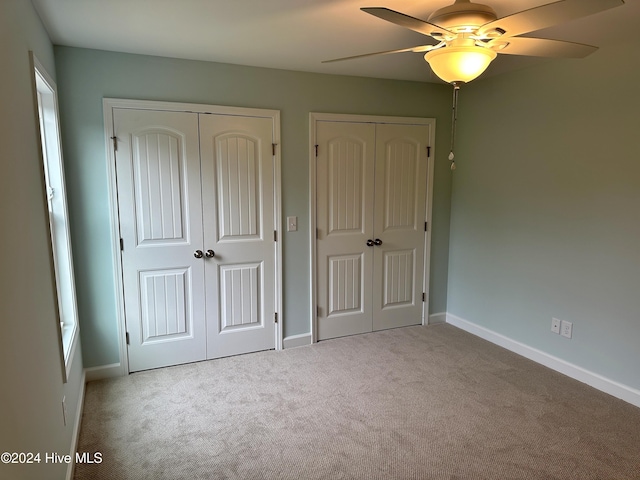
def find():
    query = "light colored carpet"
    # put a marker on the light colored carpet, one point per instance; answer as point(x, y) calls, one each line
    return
point(413, 403)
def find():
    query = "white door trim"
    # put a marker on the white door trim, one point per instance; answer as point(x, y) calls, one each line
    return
point(315, 117)
point(108, 105)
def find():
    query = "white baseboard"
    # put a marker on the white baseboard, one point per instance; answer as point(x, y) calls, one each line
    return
point(76, 429)
point(618, 390)
point(435, 318)
point(297, 340)
point(104, 371)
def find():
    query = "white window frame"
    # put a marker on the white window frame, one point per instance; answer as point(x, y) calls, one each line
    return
point(46, 102)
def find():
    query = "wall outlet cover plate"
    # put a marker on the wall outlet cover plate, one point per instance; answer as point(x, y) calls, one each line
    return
point(566, 328)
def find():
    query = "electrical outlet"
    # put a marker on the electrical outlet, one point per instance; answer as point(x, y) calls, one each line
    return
point(566, 328)
point(64, 410)
point(555, 325)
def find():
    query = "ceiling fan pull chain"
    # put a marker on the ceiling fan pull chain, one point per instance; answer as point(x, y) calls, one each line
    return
point(454, 118)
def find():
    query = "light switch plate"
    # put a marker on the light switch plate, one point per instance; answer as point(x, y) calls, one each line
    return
point(292, 224)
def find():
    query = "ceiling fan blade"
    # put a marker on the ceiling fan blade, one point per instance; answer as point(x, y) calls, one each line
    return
point(541, 47)
point(406, 21)
point(421, 48)
point(548, 15)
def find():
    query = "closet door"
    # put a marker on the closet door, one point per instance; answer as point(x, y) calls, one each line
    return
point(160, 208)
point(399, 228)
point(238, 212)
point(371, 185)
point(345, 211)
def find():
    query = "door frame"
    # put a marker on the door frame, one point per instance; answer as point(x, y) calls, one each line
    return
point(314, 118)
point(108, 104)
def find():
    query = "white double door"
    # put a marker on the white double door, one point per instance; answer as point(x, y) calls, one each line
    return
point(196, 206)
point(371, 214)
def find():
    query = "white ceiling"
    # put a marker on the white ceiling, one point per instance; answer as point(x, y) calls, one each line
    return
point(293, 34)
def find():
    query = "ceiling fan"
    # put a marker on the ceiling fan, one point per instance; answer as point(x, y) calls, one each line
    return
point(466, 37)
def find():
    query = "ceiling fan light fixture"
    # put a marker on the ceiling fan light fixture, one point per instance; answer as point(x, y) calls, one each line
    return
point(459, 63)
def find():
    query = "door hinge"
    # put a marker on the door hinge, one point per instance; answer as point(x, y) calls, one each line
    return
point(428, 151)
point(127, 337)
point(273, 149)
point(423, 296)
point(316, 150)
point(426, 225)
point(275, 317)
point(318, 311)
point(121, 245)
point(115, 143)
point(275, 235)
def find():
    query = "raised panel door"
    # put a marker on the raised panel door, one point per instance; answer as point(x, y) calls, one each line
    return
point(158, 171)
point(238, 213)
point(371, 184)
point(400, 206)
point(345, 194)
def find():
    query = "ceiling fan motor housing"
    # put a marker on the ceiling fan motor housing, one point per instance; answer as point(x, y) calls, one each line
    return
point(463, 16)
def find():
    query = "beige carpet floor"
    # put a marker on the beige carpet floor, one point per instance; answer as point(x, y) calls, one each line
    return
point(413, 403)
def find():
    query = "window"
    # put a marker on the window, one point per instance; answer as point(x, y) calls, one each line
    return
point(58, 215)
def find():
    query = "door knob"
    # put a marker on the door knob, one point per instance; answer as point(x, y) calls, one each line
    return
point(210, 254)
point(369, 243)
point(377, 242)
point(197, 254)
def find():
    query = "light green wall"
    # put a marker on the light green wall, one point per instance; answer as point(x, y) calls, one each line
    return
point(546, 209)
point(31, 371)
point(87, 76)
